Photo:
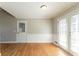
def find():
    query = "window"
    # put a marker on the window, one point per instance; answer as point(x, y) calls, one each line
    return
point(21, 27)
point(69, 33)
point(63, 32)
point(75, 33)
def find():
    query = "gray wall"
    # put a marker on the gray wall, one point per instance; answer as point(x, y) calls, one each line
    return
point(7, 27)
point(41, 30)
point(40, 26)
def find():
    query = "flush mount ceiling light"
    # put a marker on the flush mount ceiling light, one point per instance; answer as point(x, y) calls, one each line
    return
point(43, 6)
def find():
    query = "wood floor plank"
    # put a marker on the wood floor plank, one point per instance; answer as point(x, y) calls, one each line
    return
point(31, 49)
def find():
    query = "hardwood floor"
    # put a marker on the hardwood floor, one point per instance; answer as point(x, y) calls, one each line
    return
point(31, 49)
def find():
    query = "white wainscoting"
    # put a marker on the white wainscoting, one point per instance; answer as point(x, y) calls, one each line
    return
point(41, 38)
point(37, 38)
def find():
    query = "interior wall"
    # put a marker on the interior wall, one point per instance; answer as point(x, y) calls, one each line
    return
point(40, 30)
point(40, 26)
point(7, 27)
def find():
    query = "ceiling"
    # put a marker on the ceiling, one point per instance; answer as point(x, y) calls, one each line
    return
point(32, 9)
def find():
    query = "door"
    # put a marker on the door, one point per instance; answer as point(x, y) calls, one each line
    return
point(21, 31)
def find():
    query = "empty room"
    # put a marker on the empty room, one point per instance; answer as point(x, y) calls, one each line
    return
point(39, 28)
